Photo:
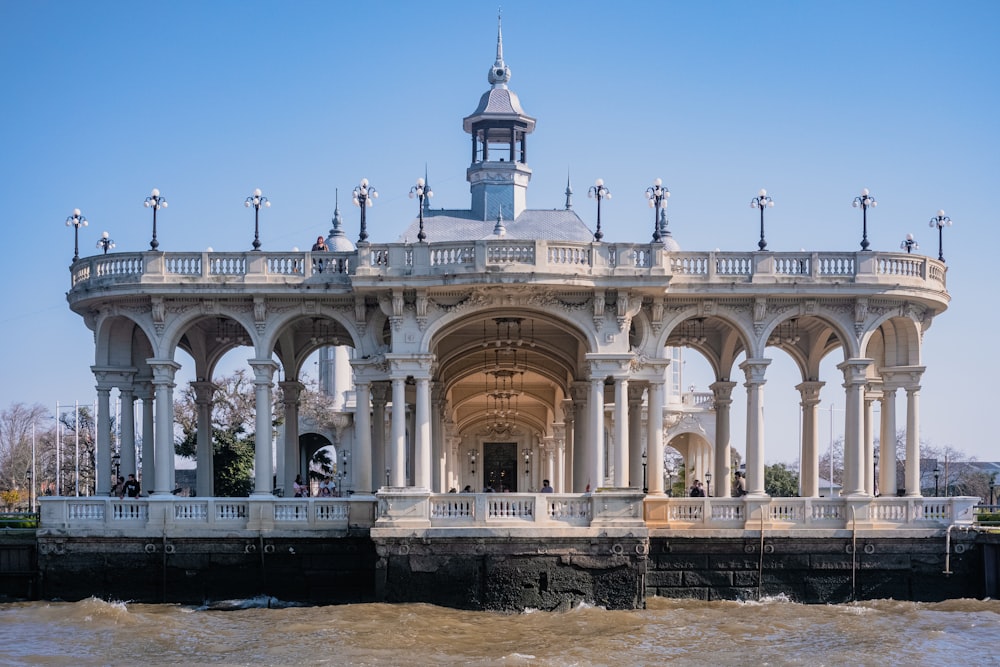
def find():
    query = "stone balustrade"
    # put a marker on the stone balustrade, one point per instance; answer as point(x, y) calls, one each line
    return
point(480, 513)
point(489, 256)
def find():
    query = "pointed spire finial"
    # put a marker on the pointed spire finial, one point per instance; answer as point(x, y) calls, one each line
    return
point(569, 193)
point(500, 229)
point(337, 220)
point(499, 73)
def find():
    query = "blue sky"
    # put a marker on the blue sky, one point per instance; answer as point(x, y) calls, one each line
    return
point(103, 101)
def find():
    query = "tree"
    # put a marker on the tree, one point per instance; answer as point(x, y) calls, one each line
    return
point(780, 482)
point(233, 409)
point(17, 424)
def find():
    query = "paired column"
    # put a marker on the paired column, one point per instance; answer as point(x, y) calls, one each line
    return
point(363, 437)
point(103, 453)
point(621, 479)
point(439, 459)
point(290, 392)
point(635, 471)
point(913, 440)
point(148, 439)
point(380, 461)
point(654, 436)
point(887, 443)
point(871, 484)
point(754, 370)
point(163, 389)
point(397, 448)
point(422, 442)
point(595, 451)
point(809, 468)
point(204, 395)
point(263, 370)
point(126, 397)
point(581, 450)
point(855, 377)
point(722, 393)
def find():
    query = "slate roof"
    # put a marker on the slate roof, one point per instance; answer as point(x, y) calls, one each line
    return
point(457, 225)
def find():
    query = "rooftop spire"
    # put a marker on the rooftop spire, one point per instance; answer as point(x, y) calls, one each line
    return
point(337, 220)
point(499, 73)
point(569, 193)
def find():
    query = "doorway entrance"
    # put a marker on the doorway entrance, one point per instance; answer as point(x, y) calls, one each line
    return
point(500, 466)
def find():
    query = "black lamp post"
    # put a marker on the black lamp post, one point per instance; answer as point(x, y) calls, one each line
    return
point(76, 221)
point(256, 200)
point(865, 201)
point(362, 196)
point(421, 191)
point(762, 201)
point(155, 201)
point(105, 243)
point(937, 475)
point(645, 483)
point(387, 472)
point(31, 490)
point(657, 196)
point(598, 191)
point(909, 244)
point(940, 221)
point(708, 484)
point(992, 486)
point(116, 465)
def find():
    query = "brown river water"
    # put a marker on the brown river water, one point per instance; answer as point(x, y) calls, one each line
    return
point(771, 632)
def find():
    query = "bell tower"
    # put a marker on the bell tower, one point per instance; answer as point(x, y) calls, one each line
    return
point(499, 172)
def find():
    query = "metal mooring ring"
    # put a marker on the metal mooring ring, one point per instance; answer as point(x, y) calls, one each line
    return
point(769, 548)
point(641, 549)
point(960, 548)
point(169, 549)
point(150, 548)
point(404, 549)
point(849, 549)
point(617, 549)
point(748, 548)
point(250, 548)
point(869, 548)
point(269, 548)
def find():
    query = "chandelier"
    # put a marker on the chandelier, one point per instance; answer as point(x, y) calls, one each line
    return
point(787, 333)
point(230, 332)
point(504, 365)
point(692, 332)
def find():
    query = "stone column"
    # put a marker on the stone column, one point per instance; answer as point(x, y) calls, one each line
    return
point(422, 441)
point(723, 476)
point(103, 453)
point(912, 475)
point(363, 438)
point(565, 466)
point(291, 390)
point(887, 444)
point(163, 451)
point(654, 437)
point(869, 446)
point(204, 394)
point(579, 454)
point(127, 428)
point(397, 448)
point(754, 370)
point(809, 467)
point(263, 370)
point(595, 428)
point(380, 461)
point(621, 479)
point(148, 439)
point(439, 461)
point(855, 378)
point(635, 436)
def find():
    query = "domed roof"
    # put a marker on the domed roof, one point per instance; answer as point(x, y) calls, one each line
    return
point(338, 241)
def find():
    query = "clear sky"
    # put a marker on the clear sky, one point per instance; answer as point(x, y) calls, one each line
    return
point(102, 101)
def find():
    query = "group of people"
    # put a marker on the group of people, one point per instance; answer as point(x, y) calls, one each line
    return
point(129, 487)
point(546, 488)
point(327, 488)
point(697, 489)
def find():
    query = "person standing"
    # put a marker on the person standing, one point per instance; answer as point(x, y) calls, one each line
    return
point(546, 487)
point(131, 487)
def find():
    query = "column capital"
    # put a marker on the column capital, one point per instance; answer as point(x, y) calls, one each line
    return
point(754, 370)
point(902, 377)
point(290, 392)
point(380, 392)
point(163, 370)
point(204, 391)
point(855, 371)
point(809, 391)
point(580, 391)
point(722, 391)
point(113, 376)
point(635, 392)
point(263, 370)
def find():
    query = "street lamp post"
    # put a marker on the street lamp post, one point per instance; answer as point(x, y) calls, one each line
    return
point(598, 191)
point(937, 475)
point(256, 200)
point(762, 201)
point(421, 191)
point(865, 201)
point(362, 197)
point(155, 201)
point(657, 196)
point(940, 221)
point(645, 482)
point(105, 243)
point(708, 484)
point(992, 486)
point(909, 244)
point(76, 221)
point(31, 490)
point(116, 464)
